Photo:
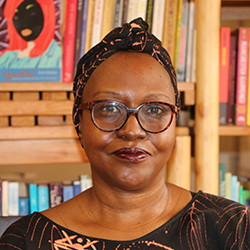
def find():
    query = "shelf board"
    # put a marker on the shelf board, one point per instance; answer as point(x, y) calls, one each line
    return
point(57, 86)
point(234, 130)
point(52, 132)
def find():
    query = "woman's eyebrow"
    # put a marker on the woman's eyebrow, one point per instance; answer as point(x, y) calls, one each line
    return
point(111, 93)
point(157, 95)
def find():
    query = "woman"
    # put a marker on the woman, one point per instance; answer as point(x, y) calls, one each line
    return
point(126, 104)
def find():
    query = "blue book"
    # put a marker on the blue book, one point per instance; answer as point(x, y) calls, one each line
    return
point(235, 191)
point(68, 192)
point(33, 53)
point(84, 25)
point(43, 197)
point(23, 206)
point(33, 198)
point(77, 187)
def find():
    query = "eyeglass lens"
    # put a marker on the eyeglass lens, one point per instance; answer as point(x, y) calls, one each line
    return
point(111, 115)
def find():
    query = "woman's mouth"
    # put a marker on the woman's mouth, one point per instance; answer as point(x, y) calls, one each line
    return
point(132, 154)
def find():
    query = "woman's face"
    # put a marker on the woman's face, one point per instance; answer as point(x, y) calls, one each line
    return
point(129, 158)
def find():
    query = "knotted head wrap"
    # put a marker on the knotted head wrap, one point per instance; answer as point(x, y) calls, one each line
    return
point(131, 36)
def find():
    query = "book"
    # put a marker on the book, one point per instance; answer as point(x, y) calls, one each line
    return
point(0, 198)
point(43, 197)
point(125, 11)
point(169, 31)
point(246, 197)
point(30, 53)
point(78, 34)
point(68, 191)
point(55, 194)
point(97, 22)
point(248, 90)
point(108, 17)
point(158, 18)
point(142, 9)
point(33, 197)
point(76, 187)
point(86, 182)
point(69, 41)
point(193, 64)
point(84, 27)
point(149, 14)
point(190, 37)
point(5, 198)
point(235, 190)
point(182, 43)
point(228, 177)
point(13, 199)
point(133, 9)
point(89, 24)
point(225, 33)
point(232, 80)
point(242, 76)
point(222, 180)
point(118, 13)
point(23, 204)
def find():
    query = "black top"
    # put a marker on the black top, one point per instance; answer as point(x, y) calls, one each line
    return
point(207, 222)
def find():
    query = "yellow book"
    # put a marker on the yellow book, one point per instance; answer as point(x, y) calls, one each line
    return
point(169, 29)
point(228, 178)
point(89, 27)
point(178, 27)
point(248, 89)
point(108, 17)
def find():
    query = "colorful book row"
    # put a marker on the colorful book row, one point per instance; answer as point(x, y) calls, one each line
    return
point(232, 188)
point(234, 90)
point(62, 31)
point(18, 198)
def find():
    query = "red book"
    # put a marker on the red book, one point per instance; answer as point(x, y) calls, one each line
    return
point(69, 41)
point(224, 73)
point(242, 76)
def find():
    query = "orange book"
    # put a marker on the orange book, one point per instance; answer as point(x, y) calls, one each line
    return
point(225, 33)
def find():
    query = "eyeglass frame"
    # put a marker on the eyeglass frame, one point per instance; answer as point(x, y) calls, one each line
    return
point(90, 106)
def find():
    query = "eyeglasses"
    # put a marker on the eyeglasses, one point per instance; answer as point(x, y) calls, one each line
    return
point(110, 115)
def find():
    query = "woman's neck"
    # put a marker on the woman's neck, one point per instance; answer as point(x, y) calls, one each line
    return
point(26, 52)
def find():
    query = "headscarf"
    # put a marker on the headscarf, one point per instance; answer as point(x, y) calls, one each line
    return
point(131, 36)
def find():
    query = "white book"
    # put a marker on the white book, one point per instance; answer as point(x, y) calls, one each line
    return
point(158, 18)
point(13, 201)
point(86, 182)
point(5, 198)
point(190, 40)
point(97, 22)
point(133, 9)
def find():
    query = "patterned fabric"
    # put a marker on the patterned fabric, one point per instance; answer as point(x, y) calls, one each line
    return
point(132, 36)
point(207, 222)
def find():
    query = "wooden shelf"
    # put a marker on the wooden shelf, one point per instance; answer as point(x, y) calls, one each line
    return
point(234, 130)
point(52, 132)
point(57, 86)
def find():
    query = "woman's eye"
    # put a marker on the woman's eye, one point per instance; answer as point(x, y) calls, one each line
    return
point(154, 110)
point(110, 108)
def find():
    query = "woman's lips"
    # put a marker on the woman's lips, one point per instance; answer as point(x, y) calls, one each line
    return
point(132, 154)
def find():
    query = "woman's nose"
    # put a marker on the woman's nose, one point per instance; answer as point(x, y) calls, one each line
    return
point(131, 130)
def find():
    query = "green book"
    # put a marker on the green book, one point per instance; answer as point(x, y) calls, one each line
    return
point(222, 180)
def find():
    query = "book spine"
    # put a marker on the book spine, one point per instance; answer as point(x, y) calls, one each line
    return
point(77, 187)
point(224, 73)
point(234, 187)
point(117, 13)
point(232, 80)
point(125, 11)
point(242, 76)
point(84, 27)
point(89, 25)
point(86, 182)
point(33, 198)
point(149, 14)
point(5, 198)
point(43, 197)
point(222, 180)
point(248, 90)
point(178, 29)
point(13, 200)
point(142, 8)
point(68, 192)
point(0, 198)
point(133, 7)
point(228, 177)
point(158, 18)
point(190, 37)
point(97, 23)
point(69, 41)
point(181, 59)
point(55, 193)
point(23, 206)
point(78, 34)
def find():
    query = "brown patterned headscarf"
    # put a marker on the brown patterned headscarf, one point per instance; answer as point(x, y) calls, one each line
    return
point(131, 36)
